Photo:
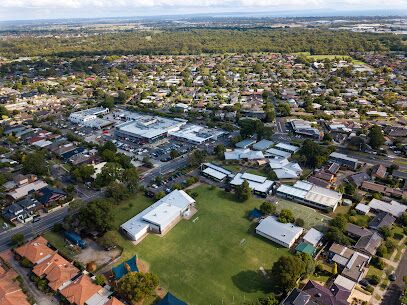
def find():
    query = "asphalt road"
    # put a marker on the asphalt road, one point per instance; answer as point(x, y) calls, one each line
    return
point(31, 230)
point(395, 289)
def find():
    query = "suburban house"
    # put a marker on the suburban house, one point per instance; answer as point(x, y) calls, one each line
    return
point(10, 290)
point(384, 190)
point(47, 196)
point(25, 189)
point(35, 251)
point(350, 262)
point(81, 290)
point(367, 241)
point(382, 220)
point(56, 269)
point(284, 234)
point(22, 211)
point(313, 293)
point(344, 160)
point(393, 207)
point(160, 217)
point(313, 237)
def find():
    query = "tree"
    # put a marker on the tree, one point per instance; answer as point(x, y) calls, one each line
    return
point(340, 221)
point(109, 240)
point(249, 127)
point(336, 235)
point(288, 270)
point(243, 191)
point(197, 157)
point(3, 111)
point(100, 280)
point(83, 172)
point(284, 109)
point(314, 154)
point(334, 269)
point(309, 264)
point(376, 137)
point(110, 172)
point(131, 179)
point(96, 215)
point(268, 208)
point(174, 153)
point(299, 222)
point(117, 190)
point(135, 286)
point(286, 216)
point(220, 151)
point(17, 239)
point(386, 232)
point(35, 163)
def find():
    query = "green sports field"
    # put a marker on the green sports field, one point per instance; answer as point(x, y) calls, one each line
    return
point(215, 257)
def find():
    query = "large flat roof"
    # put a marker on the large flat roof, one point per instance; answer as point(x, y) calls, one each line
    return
point(284, 232)
point(163, 215)
point(147, 126)
point(196, 134)
point(177, 198)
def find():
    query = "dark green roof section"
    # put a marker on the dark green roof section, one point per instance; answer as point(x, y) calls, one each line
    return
point(305, 248)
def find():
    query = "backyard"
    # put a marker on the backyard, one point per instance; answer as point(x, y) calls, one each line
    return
point(213, 257)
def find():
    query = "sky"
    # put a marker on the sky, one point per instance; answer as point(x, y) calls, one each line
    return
point(56, 9)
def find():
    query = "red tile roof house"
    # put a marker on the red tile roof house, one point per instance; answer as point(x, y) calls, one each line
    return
point(35, 251)
point(10, 291)
point(83, 291)
point(57, 270)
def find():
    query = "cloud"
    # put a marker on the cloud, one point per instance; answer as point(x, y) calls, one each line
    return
point(26, 9)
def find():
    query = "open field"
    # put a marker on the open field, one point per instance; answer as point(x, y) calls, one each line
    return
point(311, 217)
point(218, 249)
point(330, 57)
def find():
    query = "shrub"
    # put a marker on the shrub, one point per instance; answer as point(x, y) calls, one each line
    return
point(369, 289)
point(374, 279)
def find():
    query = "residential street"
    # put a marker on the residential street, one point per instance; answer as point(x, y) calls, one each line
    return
point(394, 291)
point(31, 230)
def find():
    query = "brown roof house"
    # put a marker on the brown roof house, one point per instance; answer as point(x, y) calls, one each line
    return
point(81, 290)
point(35, 251)
point(379, 171)
point(56, 269)
point(10, 291)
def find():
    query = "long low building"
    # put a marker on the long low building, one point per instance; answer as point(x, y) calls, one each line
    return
point(160, 216)
point(311, 195)
point(259, 184)
point(215, 172)
point(284, 234)
point(89, 117)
